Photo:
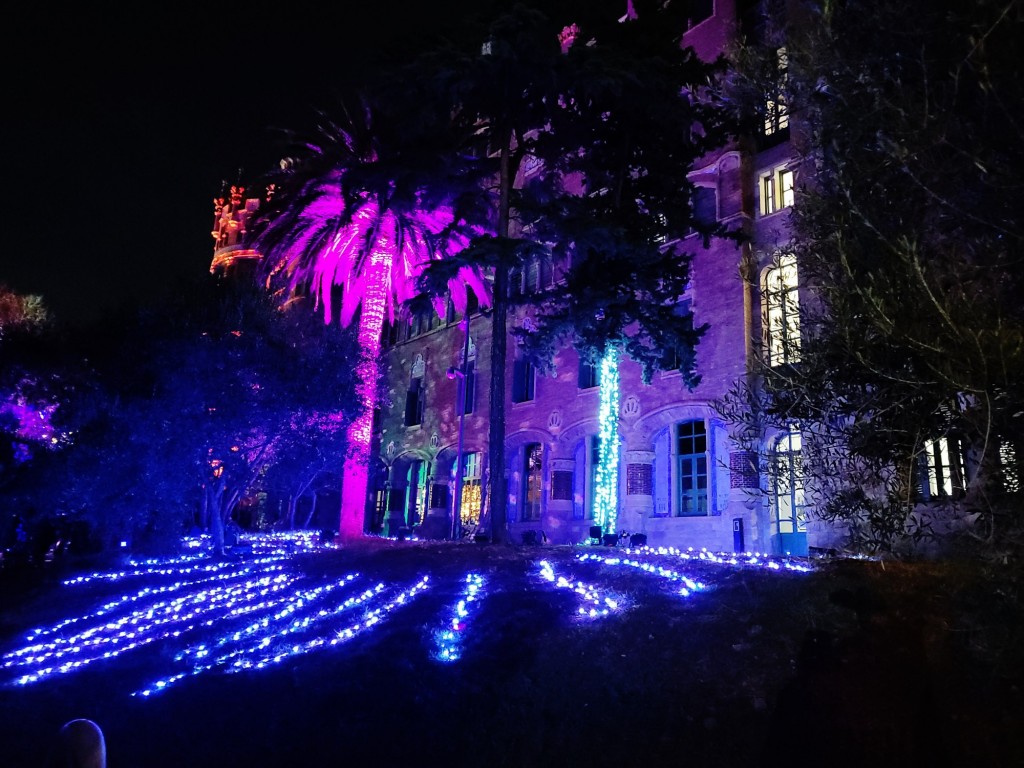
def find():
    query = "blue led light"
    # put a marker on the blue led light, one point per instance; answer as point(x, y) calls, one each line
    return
point(593, 604)
point(448, 639)
point(255, 612)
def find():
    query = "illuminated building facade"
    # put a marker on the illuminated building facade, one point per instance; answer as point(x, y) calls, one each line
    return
point(232, 213)
point(678, 477)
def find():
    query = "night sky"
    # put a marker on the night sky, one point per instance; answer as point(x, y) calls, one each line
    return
point(120, 129)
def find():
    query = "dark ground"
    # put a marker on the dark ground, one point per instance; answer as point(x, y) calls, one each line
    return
point(857, 663)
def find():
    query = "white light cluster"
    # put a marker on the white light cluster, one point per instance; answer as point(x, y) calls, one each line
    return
point(144, 593)
point(285, 542)
point(262, 543)
point(161, 568)
point(595, 604)
point(211, 594)
point(292, 604)
point(689, 586)
point(163, 562)
point(237, 658)
point(370, 619)
point(156, 621)
point(284, 615)
point(448, 639)
point(738, 559)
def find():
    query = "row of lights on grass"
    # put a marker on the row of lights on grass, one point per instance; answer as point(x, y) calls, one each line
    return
point(594, 603)
point(448, 639)
point(222, 592)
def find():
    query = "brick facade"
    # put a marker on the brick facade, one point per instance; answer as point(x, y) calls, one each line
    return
point(563, 418)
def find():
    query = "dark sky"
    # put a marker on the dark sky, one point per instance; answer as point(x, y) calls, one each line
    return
point(119, 130)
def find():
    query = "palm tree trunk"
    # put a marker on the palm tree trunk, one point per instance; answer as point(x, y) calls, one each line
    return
point(356, 467)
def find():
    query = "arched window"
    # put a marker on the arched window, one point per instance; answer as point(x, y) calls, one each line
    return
point(472, 491)
point(531, 488)
point(785, 475)
point(692, 461)
point(782, 312)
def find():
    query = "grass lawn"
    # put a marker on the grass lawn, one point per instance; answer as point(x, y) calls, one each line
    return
point(556, 656)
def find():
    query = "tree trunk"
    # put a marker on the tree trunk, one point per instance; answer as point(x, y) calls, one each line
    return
point(499, 347)
point(290, 516)
point(356, 468)
point(212, 503)
point(312, 512)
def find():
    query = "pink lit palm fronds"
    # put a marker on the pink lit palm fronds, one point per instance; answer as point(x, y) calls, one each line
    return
point(353, 215)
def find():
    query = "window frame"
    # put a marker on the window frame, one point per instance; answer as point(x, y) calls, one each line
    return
point(777, 189)
point(1009, 467)
point(524, 381)
point(531, 511)
point(414, 402)
point(472, 489)
point(944, 471)
point(469, 387)
point(588, 375)
point(780, 289)
point(776, 105)
point(792, 489)
point(699, 472)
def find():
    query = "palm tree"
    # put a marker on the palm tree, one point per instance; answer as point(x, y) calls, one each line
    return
point(354, 210)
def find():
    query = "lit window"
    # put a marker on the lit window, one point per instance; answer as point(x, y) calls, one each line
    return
point(944, 468)
point(776, 190)
point(692, 461)
point(531, 489)
point(661, 233)
point(1010, 467)
point(776, 110)
point(785, 472)
point(782, 312)
point(472, 492)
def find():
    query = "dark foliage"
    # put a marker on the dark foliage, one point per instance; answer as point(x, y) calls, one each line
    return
point(183, 409)
point(859, 663)
point(909, 242)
